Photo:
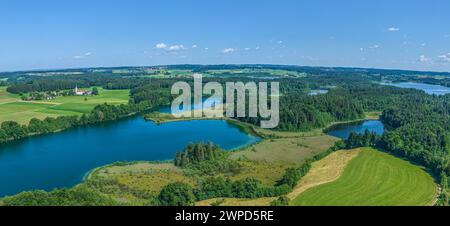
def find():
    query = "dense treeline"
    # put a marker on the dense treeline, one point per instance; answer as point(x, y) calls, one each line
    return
point(46, 85)
point(177, 194)
point(368, 139)
point(156, 92)
point(420, 131)
point(374, 97)
point(300, 112)
point(78, 196)
point(195, 153)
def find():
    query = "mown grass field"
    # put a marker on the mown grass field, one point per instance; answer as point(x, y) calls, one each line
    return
point(12, 108)
point(374, 178)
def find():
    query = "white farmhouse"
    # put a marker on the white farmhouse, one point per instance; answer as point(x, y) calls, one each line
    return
point(79, 92)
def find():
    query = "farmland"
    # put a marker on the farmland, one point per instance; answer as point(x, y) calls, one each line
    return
point(374, 178)
point(13, 108)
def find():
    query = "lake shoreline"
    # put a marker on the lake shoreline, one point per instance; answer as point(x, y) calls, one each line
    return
point(233, 122)
point(164, 120)
point(87, 148)
point(430, 89)
point(246, 128)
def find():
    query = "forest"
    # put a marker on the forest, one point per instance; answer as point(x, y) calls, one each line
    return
point(418, 124)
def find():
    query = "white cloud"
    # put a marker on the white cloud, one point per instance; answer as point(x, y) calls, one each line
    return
point(280, 42)
point(161, 46)
point(247, 49)
point(228, 50)
point(176, 48)
point(194, 46)
point(78, 57)
point(375, 46)
point(361, 49)
point(393, 29)
point(257, 48)
point(444, 58)
point(206, 48)
point(424, 59)
point(172, 48)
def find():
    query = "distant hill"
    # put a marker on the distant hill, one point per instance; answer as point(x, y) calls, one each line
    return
point(201, 68)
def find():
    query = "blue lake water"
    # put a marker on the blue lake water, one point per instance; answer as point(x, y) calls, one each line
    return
point(344, 130)
point(62, 159)
point(430, 89)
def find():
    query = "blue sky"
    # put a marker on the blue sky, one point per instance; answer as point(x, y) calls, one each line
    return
point(50, 34)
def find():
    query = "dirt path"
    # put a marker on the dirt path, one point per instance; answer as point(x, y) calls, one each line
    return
point(436, 196)
point(325, 171)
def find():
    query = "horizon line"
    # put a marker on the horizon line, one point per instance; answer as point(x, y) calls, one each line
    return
point(257, 64)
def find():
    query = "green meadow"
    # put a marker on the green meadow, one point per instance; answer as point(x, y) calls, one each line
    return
point(12, 108)
point(374, 178)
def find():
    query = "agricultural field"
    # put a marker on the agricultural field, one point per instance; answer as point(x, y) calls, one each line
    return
point(257, 72)
point(6, 97)
point(374, 178)
point(13, 108)
point(163, 73)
